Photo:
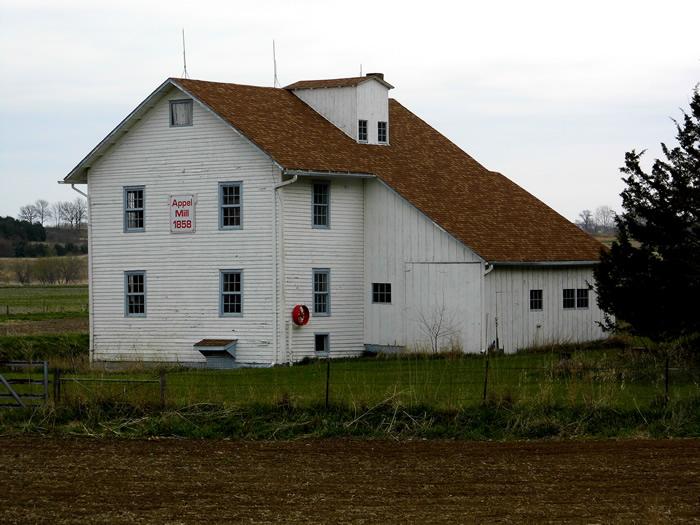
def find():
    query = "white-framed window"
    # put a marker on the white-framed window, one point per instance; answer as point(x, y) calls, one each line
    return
point(135, 294)
point(381, 293)
point(575, 298)
point(382, 132)
point(536, 300)
point(362, 130)
point(321, 209)
point(180, 113)
point(582, 298)
point(569, 298)
point(322, 291)
point(322, 343)
point(231, 293)
point(230, 205)
point(134, 208)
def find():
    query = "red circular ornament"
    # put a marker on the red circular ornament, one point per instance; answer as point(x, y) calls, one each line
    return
point(300, 315)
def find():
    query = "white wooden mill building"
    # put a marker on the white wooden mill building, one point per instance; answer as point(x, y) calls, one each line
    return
point(216, 208)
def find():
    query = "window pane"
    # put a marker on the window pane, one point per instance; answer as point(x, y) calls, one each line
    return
point(135, 293)
point(181, 113)
point(362, 130)
point(231, 194)
point(535, 299)
point(231, 216)
point(232, 282)
point(569, 301)
point(321, 201)
point(232, 303)
point(134, 219)
point(321, 342)
point(320, 303)
point(381, 131)
point(582, 298)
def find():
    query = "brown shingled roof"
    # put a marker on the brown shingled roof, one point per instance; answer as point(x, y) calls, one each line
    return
point(335, 82)
point(486, 211)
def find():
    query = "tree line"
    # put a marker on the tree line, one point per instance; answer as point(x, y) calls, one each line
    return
point(71, 214)
point(602, 220)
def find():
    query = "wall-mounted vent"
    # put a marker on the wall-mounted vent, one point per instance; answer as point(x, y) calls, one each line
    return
point(219, 353)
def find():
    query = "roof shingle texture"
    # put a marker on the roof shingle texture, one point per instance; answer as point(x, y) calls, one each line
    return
point(327, 83)
point(483, 209)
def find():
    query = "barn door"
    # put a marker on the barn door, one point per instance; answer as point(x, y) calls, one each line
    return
point(443, 305)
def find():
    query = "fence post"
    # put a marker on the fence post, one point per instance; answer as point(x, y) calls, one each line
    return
point(328, 377)
point(56, 385)
point(162, 388)
point(666, 393)
point(45, 370)
point(486, 376)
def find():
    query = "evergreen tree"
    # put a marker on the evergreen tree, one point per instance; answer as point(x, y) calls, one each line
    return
point(650, 278)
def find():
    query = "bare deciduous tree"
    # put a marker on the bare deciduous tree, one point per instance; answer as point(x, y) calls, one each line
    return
point(43, 210)
point(437, 325)
point(79, 206)
point(28, 213)
point(605, 218)
point(587, 223)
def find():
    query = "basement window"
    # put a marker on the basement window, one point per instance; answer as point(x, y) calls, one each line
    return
point(381, 293)
point(230, 197)
point(536, 300)
point(362, 130)
point(231, 293)
point(322, 291)
point(135, 294)
point(180, 113)
point(582, 298)
point(321, 343)
point(569, 298)
point(134, 208)
point(381, 132)
point(321, 205)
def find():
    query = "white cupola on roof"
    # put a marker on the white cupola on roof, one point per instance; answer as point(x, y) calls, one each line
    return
point(359, 106)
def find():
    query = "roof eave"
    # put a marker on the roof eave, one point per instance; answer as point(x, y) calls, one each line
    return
point(545, 263)
point(78, 175)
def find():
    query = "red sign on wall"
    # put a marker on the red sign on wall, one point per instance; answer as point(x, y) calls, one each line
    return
point(182, 213)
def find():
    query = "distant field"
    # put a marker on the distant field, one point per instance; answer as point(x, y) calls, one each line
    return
point(33, 310)
point(43, 299)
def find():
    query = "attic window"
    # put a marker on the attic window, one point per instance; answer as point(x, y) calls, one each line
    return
point(381, 132)
point(362, 130)
point(180, 113)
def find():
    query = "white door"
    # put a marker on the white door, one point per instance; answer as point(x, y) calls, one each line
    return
point(443, 305)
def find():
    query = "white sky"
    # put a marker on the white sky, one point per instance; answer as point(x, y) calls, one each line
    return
point(552, 94)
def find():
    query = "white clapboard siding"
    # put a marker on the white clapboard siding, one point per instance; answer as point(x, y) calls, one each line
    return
point(427, 268)
point(344, 106)
point(373, 106)
point(339, 248)
point(508, 299)
point(338, 105)
point(182, 270)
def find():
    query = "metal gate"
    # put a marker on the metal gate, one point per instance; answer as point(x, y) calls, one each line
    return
point(18, 382)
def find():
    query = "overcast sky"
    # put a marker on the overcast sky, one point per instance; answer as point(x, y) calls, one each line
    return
point(551, 94)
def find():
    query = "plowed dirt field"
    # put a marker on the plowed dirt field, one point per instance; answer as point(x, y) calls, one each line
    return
point(51, 480)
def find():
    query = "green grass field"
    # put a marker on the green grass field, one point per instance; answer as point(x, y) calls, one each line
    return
point(22, 300)
point(589, 378)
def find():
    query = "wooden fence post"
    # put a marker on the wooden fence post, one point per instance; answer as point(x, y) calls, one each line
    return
point(162, 388)
point(56, 385)
point(328, 377)
point(666, 393)
point(486, 376)
point(45, 373)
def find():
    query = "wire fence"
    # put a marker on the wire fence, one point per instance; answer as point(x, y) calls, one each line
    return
point(438, 383)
